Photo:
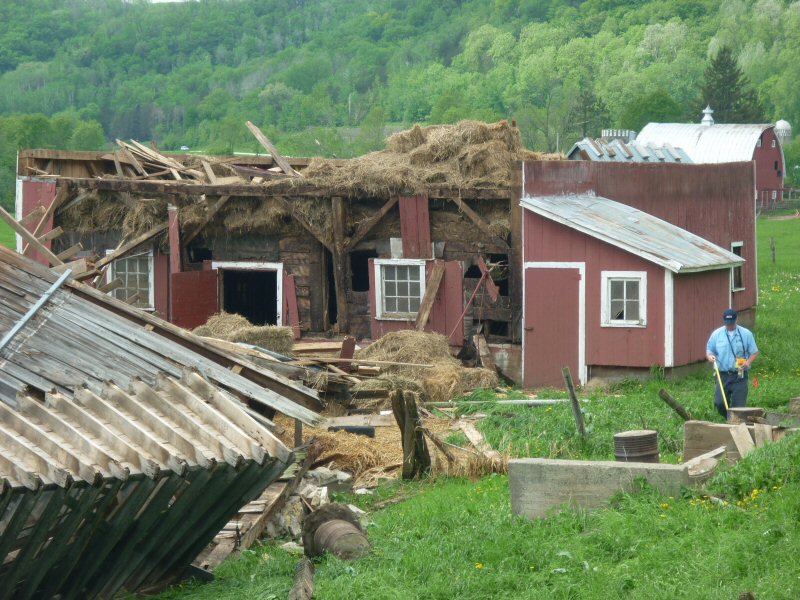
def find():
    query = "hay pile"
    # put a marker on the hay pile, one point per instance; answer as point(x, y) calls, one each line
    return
point(444, 380)
point(469, 154)
point(236, 328)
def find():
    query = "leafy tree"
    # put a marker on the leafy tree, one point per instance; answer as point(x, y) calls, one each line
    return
point(657, 107)
point(88, 135)
point(728, 92)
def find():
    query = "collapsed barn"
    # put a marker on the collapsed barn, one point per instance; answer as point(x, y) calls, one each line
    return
point(126, 443)
point(320, 244)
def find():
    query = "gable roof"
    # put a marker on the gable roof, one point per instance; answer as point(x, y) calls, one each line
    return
point(634, 231)
point(718, 143)
point(634, 151)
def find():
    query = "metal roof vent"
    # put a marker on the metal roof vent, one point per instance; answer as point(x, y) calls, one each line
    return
point(783, 130)
point(707, 118)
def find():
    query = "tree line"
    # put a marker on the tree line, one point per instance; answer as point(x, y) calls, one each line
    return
point(328, 78)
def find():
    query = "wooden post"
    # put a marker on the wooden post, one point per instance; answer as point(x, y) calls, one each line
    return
point(174, 239)
point(576, 408)
point(674, 404)
point(303, 586)
point(340, 254)
point(416, 459)
point(515, 253)
point(298, 433)
point(772, 248)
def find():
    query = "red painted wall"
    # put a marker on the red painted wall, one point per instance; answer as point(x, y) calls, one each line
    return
point(699, 300)
point(194, 298)
point(770, 170)
point(545, 240)
point(712, 201)
point(35, 194)
point(446, 310)
point(415, 226)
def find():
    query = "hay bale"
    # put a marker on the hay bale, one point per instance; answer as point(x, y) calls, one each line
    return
point(409, 347)
point(236, 328)
point(445, 382)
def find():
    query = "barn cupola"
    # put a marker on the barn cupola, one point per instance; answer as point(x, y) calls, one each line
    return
point(707, 118)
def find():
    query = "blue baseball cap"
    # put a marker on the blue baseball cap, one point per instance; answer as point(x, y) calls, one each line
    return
point(729, 316)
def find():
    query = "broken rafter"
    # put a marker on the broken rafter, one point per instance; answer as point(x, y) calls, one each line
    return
point(318, 235)
point(61, 196)
point(431, 289)
point(276, 156)
point(477, 219)
point(123, 250)
point(367, 225)
point(31, 238)
point(217, 206)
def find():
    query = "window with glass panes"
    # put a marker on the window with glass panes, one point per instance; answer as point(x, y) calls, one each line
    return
point(136, 275)
point(624, 299)
point(623, 296)
point(401, 288)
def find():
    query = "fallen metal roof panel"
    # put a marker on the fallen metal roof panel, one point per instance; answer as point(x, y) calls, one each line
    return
point(634, 231)
point(636, 151)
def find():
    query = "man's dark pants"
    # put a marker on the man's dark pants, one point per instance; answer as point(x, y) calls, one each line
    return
point(735, 391)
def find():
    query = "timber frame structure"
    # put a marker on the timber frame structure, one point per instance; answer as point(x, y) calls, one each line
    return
point(332, 269)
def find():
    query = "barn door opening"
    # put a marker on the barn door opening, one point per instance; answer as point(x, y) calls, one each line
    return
point(252, 294)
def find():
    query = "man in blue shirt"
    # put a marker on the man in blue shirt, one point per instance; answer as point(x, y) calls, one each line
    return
point(734, 349)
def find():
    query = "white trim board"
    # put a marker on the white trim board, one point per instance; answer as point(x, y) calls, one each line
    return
point(244, 265)
point(581, 266)
point(605, 317)
point(669, 318)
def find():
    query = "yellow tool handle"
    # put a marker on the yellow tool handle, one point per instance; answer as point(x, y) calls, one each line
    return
point(721, 387)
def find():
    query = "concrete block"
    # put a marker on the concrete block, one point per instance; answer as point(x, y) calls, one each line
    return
point(540, 485)
point(701, 436)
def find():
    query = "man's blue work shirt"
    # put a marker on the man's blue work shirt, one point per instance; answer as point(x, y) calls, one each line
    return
point(727, 346)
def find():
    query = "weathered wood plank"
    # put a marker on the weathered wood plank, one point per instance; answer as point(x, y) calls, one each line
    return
point(431, 290)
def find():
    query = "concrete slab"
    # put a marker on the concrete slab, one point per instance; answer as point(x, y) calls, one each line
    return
point(540, 485)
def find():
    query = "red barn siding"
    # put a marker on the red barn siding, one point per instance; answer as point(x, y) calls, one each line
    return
point(161, 284)
point(713, 201)
point(770, 170)
point(415, 227)
point(699, 299)
point(545, 240)
point(34, 195)
point(194, 298)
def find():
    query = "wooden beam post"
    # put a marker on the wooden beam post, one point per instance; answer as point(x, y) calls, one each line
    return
point(174, 239)
point(576, 408)
point(30, 238)
point(431, 289)
point(210, 214)
point(340, 254)
point(366, 226)
point(515, 252)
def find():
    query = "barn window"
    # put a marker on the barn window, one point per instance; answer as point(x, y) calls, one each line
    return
point(400, 288)
point(136, 274)
point(623, 299)
point(774, 144)
point(758, 143)
point(737, 275)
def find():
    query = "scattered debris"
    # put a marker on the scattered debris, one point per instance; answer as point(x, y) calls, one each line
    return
point(336, 529)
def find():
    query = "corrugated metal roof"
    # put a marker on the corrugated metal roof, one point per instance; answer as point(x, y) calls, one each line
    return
point(634, 231)
point(618, 151)
point(706, 144)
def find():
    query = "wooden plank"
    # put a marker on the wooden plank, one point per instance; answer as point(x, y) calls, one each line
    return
point(763, 434)
point(362, 421)
point(212, 178)
point(415, 227)
point(31, 239)
point(45, 221)
point(320, 236)
point(131, 158)
point(292, 314)
point(741, 437)
point(70, 252)
point(366, 226)
point(491, 287)
point(487, 360)
point(51, 235)
point(276, 156)
point(34, 215)
point(111, 286)
point(117, 165)
point(210, 214)
point(576, 409)
point(428, 299)
point(133, 244)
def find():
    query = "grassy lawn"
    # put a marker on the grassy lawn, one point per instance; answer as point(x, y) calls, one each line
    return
point(6, 235)
point(458, 539)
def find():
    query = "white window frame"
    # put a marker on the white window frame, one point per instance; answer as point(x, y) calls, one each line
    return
point(774, 194)
point(256, 266)
point(739, 244)
point(605, 300)
point(774, 144)
point(758, 143)
point(111, 275)
point(379, 263)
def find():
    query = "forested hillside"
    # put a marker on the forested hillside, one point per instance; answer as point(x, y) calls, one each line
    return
point(326, 76)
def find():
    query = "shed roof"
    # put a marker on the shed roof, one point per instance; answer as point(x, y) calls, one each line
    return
point(634, 231)
point(618, 151)
point(718, 143)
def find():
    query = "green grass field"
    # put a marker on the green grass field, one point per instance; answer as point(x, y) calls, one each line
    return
point(6, 235)
point(454, 538)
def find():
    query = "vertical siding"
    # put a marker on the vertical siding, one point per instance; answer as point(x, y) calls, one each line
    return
point(712, 201)
point(546, 240)
point(700, 299)
point(770, 170)
point(161, 284)
point(415, 226)
point(35, 194)
point(194, 297)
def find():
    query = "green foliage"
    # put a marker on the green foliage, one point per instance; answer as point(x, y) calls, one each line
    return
point(728, 92)
point(791, 152)
point(6, 235)
point(656, 107)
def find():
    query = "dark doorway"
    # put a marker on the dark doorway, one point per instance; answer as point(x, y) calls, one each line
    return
point(252, 294)
point(333, 312)
point(359, 268)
